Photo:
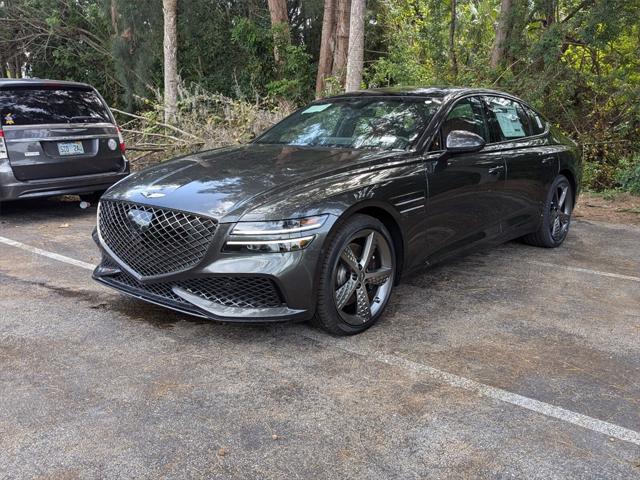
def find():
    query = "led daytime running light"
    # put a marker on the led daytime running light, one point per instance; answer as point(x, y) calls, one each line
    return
point(303, 225)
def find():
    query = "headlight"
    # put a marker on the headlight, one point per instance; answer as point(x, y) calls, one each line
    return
point(279, 227)
point(274, 236)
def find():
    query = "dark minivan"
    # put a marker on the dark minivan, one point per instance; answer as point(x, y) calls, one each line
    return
point(57, 138)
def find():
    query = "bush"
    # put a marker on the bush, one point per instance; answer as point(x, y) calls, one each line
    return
point(628, 175)
point(203, 121)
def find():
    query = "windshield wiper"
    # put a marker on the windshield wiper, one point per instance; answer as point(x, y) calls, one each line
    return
point(82, 117)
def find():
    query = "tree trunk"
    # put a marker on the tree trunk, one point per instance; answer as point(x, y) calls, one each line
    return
point(170, 11)
point(341, 52)
point(114, 17)
point(326, 45)
point(502, 30)
point(452, 41)
point(280, 27)
point(356, 45)
point(550, 13)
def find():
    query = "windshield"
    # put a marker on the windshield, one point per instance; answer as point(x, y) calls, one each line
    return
point(43, 105)
point(356, 123)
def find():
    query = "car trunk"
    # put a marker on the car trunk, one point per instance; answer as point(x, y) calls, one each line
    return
point(53, 132)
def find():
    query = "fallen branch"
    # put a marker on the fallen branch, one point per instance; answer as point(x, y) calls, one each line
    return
point(162, 135)
point(145, 149)
point(165, 125)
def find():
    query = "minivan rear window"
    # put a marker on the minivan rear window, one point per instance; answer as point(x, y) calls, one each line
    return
point(45, 105)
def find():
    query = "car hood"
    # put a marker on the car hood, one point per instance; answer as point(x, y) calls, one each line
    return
point(227, 182)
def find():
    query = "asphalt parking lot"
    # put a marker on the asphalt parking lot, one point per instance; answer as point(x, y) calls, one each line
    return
point(513, 363)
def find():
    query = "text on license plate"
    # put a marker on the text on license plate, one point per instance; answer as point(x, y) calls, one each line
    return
point(70, 148)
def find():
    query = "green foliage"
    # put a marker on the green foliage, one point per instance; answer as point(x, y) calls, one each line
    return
point(628, 174)
point(295, 74)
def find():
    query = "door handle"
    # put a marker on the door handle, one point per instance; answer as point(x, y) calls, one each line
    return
point(496, 170)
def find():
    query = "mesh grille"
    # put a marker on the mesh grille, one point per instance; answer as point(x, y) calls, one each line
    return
point(154, 241)
point(245, 292)
point(161, 291)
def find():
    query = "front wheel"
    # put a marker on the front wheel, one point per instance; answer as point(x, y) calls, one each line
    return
point(556, 216)
point(356, 276)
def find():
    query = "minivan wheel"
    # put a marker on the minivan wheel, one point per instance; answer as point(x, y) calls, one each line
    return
point(93, 198)
point(556, 216)
point(356, 277)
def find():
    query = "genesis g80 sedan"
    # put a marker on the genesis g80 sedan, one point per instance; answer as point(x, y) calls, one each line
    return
point(320, 216)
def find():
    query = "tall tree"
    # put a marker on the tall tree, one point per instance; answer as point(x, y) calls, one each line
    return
point(356, 46)
point(170, 13)
point(325, 61)
point(280, 26)
point(498, 49)
point(341, 50)
point(452, 41)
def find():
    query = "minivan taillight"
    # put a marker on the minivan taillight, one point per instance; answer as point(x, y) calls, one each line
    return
point(3, 147)
point(123, 147)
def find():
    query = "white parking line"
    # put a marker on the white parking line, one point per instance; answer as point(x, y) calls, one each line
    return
point(585, 270)
point(45, 253)
point(553, 411)
point(478, 388)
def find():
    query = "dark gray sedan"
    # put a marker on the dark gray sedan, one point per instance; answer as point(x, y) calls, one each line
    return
point(57, 138)
point(319, 217)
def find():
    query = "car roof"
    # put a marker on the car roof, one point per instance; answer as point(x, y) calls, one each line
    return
point(38, 82)
point(419, 92)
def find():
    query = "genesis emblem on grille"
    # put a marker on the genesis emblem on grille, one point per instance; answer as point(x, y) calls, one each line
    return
point(140, 218)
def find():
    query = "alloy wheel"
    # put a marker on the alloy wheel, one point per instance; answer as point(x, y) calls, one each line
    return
point(363, 277)
point(560, 211)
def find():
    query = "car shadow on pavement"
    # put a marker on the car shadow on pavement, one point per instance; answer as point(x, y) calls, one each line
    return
point(67, 207)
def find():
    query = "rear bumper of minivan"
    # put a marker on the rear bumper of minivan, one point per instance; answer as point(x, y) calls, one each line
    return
point(14, 189)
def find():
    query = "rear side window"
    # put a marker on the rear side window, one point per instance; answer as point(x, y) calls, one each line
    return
point(43, 105)
point(537, 123)
point(509, 119)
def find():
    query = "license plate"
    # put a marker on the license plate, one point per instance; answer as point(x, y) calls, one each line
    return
point(70, 148)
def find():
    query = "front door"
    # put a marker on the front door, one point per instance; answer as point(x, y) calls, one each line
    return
point(464, 189)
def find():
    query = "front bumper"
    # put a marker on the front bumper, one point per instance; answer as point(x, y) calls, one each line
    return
point(14, 189)
point(243, 287)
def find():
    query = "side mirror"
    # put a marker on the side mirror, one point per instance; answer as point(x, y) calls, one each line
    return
point(462, 141)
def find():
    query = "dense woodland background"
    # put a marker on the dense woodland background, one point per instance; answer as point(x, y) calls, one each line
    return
point(235, 66)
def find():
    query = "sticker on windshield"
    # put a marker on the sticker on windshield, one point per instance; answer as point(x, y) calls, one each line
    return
point(316, 108)
point(8, 119)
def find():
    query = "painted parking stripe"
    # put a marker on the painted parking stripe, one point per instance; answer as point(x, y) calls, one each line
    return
point(585, 270)
point(553, 411)
point(45, 253)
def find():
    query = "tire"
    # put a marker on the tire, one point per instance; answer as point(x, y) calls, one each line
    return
point(344, 285)
point(93, 198)
point(556, 216)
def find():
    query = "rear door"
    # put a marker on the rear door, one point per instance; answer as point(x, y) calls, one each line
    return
point(465, 188)
point(58, 131)
point(531, 162)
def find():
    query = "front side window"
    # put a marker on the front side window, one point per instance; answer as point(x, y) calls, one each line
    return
point(356, 123)
point(508, 118)
point(44, 105)
point(466, 115)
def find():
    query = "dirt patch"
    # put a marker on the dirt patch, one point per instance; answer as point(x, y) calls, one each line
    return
point(611, 208)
